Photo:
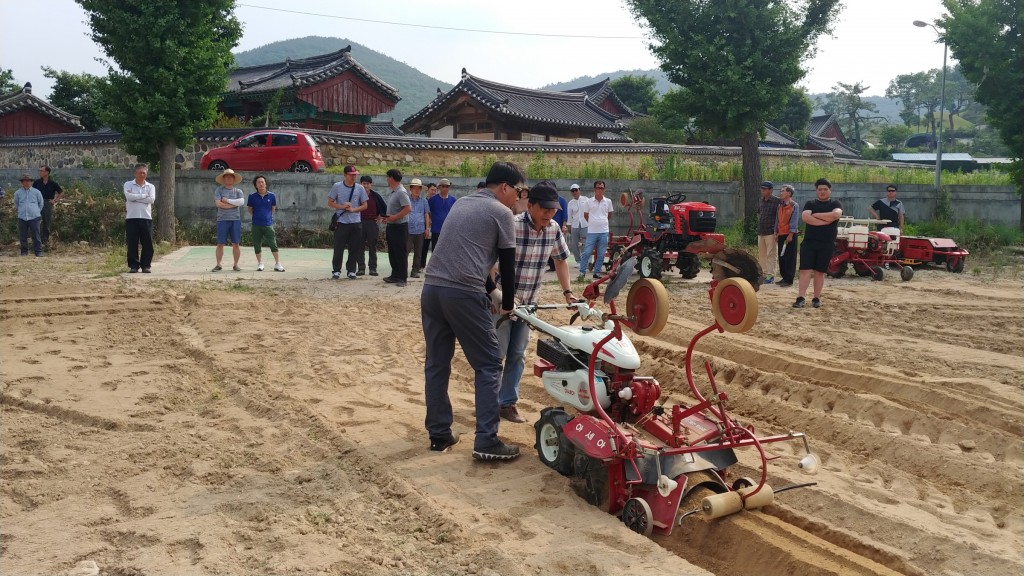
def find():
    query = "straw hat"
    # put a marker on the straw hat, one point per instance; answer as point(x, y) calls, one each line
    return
point(226, 172)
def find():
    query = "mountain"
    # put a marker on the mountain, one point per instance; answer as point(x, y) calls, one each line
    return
point(887, 107)
point(416, 88)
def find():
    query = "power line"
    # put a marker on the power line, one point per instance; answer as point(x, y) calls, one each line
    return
point(546, 35)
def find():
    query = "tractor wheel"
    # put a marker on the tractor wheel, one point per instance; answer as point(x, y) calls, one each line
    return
point(650, 264)
point(841, 271)
point(553, 448)
point(613, 254)
point(906, 273)
point(647, 301)
point(862, 270)
point(734, 305)
point(688, 264)
point(638, 517)
point(877, 274)
point(956, 266)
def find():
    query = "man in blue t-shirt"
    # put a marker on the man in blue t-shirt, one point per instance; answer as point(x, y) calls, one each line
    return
point(262, 204)
point(440, 205)
point(822, 218)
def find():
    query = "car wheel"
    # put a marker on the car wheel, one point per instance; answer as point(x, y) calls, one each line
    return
point(301, 166)
point(218, 165)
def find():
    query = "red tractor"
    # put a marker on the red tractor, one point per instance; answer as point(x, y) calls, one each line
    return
point(679, 232)
point(870, 252)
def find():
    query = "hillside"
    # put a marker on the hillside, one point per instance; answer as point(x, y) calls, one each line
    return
point(416, 88)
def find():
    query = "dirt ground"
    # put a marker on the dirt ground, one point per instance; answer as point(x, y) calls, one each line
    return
point(155, 426)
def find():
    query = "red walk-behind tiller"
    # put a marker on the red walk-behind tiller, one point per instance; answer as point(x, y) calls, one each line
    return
point(640, 459)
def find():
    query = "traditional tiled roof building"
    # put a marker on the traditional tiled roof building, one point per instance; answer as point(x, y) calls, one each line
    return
point(22, 113)
point(327, 92)
point(604, 96)
point(479, 109)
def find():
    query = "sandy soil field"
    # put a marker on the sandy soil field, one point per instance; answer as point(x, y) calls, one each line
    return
point(275, 427)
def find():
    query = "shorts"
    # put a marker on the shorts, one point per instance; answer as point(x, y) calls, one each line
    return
point(261, 235)
point(815, 254)
point(232, 228)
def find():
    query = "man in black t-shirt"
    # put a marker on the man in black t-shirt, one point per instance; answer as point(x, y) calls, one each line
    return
point(888, 208)
point(822, 218)
point(52, 193)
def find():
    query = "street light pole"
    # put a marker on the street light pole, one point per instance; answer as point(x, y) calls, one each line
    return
point(942, 105)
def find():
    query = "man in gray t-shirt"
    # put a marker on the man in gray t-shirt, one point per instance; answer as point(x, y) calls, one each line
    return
point(454, 306)
point(228, 200)
point(397, 232)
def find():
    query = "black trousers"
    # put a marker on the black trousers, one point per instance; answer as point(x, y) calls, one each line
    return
point(47, 224)
point(139, 231)
point(397, 237)
point(417, 245)
point(348, 236)
point(371, 232)
point(787, 260)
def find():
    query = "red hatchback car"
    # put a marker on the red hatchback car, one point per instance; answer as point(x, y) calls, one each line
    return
point(267, 150)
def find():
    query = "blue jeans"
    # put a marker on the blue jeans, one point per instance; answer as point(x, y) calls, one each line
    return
point(449, 314)
point(513, 338)
point(600, 241)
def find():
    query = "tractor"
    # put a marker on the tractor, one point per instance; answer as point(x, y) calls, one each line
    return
point(679, 232)
point(870, 252)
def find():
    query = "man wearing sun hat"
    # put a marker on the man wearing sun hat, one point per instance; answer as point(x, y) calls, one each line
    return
point(349, 199)
point(228, 201)
point(28, 204)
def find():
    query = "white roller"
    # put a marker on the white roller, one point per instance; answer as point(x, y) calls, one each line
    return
point(764, 497)
point(810, 463)
point(719, 505)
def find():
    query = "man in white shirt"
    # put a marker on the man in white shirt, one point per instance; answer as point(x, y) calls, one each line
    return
point(575, 224)
point(139, 196)
point(596, 214)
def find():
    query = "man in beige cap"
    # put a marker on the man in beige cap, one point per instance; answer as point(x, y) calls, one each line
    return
point(419, 225)
point(229, 201)
point(439, 205)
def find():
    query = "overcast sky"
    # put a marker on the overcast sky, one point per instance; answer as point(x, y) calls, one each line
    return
point(874, 40)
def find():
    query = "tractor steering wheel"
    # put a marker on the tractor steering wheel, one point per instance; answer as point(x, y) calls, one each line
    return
point(675, 199)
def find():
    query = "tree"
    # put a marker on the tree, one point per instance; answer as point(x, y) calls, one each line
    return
point(959, 94)
point(730, 57)
point(172, 60)
point(637, 92)
point(848, 104)
point(796, 115)
point(985, 38)
point(78, 94)
point(917, 91)
point(7, 82)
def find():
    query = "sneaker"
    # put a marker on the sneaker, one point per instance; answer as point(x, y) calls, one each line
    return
point(597, 277)
point(373, 273)
point(816, 302)
point(444, 444)
point(390, 280)
point(360, 272)
point(145, 271)
point(236, 268)
point(511, 414)
point(581, 278)
point(414, 275)
point(500, 452)
point(335, 275)
point(799, 302)
point(401, 283)
point(278, 267)
point(351, 275)
point(769, 279)
point(259, 267)
point(784, 284)
point(216, 268)
point(130, 270)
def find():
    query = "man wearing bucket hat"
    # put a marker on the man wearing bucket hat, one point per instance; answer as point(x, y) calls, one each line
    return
point(28, 203)
point(229, 201)
point(419, 225)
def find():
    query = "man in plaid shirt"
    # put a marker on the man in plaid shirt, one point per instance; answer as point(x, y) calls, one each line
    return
point(537, 238)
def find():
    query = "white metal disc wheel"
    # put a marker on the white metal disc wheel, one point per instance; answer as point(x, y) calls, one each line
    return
point(637, 516)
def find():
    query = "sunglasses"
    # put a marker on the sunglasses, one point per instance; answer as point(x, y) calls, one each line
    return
point(518, 189)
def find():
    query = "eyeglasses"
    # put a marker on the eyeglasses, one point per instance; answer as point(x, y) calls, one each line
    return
point(518, 189)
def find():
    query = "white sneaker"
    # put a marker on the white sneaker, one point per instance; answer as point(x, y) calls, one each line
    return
point(278, 267)
point(259, 268)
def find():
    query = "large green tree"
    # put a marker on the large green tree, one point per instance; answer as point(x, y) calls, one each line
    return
point(637, 92)
point(170, 62)
point(987, 39)
point(854, 113)
point(7, 83)
point(78, 94)
point(734, 61)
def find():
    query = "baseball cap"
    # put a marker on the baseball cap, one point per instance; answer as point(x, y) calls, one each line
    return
point(350, 169)
point(767, 184)
point(574, 187)
point(544, 195)
point(25, 176)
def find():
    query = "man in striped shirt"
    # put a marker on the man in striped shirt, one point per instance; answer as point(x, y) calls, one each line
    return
point(537, 238)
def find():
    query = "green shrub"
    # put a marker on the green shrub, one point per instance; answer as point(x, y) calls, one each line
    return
point(86, 213)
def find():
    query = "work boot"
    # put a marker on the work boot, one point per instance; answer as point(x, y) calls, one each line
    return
point(500, 452)
point(511, 414)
